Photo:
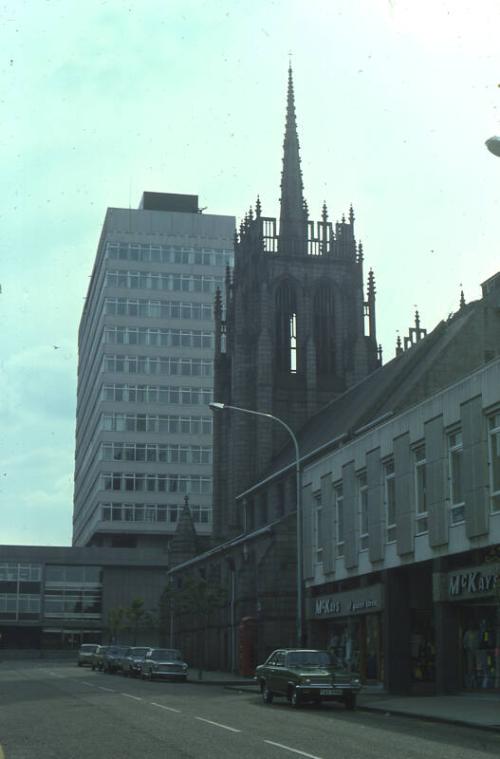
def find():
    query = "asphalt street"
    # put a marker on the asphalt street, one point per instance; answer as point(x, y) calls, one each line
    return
point(58, 711)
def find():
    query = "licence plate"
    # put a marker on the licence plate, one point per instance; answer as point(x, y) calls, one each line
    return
point(329, 692)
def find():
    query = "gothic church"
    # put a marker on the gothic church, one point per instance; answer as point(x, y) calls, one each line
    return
point(293, 337)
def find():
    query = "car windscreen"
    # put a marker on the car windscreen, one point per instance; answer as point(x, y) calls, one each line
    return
point(165, 653)
point(139, 652)
point(309, 659)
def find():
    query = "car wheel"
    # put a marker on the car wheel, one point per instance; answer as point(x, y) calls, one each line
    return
point(350, 701)
point(143, 675)
point(150, 676)
point(317, 701)
point(79, 664)
point(267, 695)
point(295, 699)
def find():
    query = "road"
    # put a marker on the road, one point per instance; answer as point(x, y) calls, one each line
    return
point(58, 711)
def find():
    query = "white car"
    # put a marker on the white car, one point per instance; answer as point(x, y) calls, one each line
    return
point(164, 662)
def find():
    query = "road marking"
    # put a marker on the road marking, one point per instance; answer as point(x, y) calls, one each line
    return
point(90, 685)
point(294, 750)
point(218, 724)
point(167, 708)
point(109, 690)
point(136, 698)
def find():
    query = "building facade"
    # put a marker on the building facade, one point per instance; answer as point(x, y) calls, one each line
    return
point(403, 543)
point(145, 373)
point(59, 598)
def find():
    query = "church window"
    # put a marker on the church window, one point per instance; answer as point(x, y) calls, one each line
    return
point(286, 329)
point(324, 330)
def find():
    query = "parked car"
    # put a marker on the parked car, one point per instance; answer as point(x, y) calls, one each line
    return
point(132, 661)
point(112, 659)
point(98, 657)
point(164, 662)
point(85, 654)
point(302, 675)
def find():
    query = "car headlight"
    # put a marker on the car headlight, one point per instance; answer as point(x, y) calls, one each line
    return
point(356, 681)
point(184, 666)
point(305, 680)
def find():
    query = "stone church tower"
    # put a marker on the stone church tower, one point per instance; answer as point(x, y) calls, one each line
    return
point(293, 334)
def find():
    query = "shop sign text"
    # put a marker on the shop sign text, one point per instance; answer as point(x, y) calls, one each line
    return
point(327, 606)
point(343, 604)
point(471, 583)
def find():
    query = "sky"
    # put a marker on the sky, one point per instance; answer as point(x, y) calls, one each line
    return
point(101, 100)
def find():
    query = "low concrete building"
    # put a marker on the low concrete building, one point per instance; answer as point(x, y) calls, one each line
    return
point(58, 597)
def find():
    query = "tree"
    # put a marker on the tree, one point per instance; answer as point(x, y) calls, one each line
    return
point(136, 614)
point(197, 598)
point(116, 622)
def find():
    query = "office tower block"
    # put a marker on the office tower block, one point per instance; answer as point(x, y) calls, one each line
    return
point(145, 373)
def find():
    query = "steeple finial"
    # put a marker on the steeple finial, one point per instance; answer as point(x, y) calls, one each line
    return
point(399, 347)
point(292, 231)
point(462, 299)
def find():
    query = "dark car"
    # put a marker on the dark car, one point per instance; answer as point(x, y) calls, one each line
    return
point(164, 662)
point(85, 654)
point(113, 659)
point(132, 661)
point(98, 657)
point(302, 675)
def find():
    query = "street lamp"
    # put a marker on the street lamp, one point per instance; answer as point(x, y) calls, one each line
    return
point(493, 145)
point(300, 611)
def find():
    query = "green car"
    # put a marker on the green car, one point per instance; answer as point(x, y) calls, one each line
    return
point(302, 675)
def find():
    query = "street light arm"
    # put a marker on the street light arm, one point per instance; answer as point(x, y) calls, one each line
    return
point(300, 579)
point(220, 406)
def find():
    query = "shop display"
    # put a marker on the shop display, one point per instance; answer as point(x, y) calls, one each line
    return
point(479, 647)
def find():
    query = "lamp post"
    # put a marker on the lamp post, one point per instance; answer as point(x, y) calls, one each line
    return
point(493, 145)
point(300, 611)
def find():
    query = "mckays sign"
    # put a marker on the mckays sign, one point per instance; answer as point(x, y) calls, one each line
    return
point(468, 583)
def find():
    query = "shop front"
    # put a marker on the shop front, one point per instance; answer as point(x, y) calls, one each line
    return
point(349, 625)
point(473, 592)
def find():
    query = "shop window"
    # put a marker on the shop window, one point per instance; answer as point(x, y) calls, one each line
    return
point(344, 644)
point(390, 500)
point(363, 511)
point(421, 516)
point(338, 493)
point(423, 648)
point(480, 647)
point(455, 477)
point(494, 462)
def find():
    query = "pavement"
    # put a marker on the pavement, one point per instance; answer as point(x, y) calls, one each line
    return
point(479, 710)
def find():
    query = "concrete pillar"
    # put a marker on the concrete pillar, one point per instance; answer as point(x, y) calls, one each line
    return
point(447, 647)
point(396, 631)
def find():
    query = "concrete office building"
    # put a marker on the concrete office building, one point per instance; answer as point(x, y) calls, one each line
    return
point(145, 373)
point(56, 598)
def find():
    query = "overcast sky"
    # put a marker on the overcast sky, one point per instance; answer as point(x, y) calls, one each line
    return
point(102, 100)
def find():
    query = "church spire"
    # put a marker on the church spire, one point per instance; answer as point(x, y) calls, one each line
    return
point(292, 230)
